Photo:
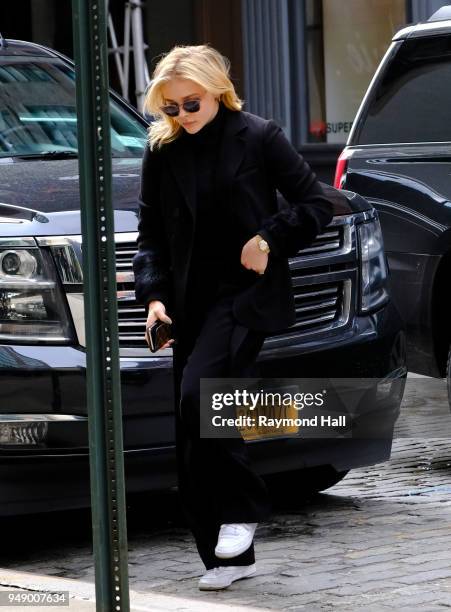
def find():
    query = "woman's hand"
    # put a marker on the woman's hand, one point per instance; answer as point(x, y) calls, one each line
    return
point(252, 257)
point(157, 311)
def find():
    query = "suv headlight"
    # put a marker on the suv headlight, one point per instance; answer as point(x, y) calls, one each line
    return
point(32, 307)
point(373, 278)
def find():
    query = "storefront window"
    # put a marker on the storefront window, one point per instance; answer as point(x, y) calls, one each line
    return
point(345, 43)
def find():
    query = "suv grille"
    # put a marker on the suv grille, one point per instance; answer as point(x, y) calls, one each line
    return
point(317, 305)
point(131, 319)
point(327, 241)
point(124, 255)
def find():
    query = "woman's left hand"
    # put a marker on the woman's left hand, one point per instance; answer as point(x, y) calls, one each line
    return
point(252, 257)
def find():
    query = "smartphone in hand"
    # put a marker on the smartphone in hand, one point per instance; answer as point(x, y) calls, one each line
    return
point(158, 334)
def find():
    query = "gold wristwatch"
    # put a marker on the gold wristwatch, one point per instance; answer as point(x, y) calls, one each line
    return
point(262, 244)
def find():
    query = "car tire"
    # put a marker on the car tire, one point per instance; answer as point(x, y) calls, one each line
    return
point(298, 485)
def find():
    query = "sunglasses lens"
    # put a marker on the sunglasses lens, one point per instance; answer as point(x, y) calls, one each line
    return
point(171, 110)
point(192, 106)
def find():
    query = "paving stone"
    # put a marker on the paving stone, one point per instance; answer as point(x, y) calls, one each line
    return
point(430, 576)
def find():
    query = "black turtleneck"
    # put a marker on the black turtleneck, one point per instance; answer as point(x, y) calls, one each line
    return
point(204, 146)
point(217, 248)
point(210, 133)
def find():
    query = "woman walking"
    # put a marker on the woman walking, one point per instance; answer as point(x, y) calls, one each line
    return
point(212, 260)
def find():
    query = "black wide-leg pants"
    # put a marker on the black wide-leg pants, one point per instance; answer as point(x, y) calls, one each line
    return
point(216, 481)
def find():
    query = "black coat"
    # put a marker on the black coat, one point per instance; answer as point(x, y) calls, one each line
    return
point(255, 160)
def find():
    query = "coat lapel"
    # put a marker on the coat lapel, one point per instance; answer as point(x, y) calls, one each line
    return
point(230, 156)
point(231, 151)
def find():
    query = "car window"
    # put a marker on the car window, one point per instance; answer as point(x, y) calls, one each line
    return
point(38, 114)
point(412, 103)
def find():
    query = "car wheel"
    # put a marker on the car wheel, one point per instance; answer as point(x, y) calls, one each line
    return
point(298, 485)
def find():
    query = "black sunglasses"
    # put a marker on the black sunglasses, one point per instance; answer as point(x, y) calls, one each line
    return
point(190, 106)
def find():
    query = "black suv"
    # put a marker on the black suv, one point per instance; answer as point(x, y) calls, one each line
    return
point(346, 324)
point(398, 156)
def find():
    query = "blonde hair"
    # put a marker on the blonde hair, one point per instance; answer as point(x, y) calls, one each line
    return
point(199, 63)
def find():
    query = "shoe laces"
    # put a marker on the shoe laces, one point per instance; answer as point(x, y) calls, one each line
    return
point(234, 528)
point(231, 528)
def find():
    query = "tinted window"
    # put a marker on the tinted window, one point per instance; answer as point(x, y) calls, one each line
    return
point(38, 113)
point(413, 101)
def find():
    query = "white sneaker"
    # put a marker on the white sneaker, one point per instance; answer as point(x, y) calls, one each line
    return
point(222, 577)
point(234, 538)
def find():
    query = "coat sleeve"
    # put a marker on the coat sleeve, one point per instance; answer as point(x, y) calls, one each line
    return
point(309, 211)
point(151, 264)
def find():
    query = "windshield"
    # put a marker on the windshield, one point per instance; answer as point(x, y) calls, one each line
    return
point(38, 113)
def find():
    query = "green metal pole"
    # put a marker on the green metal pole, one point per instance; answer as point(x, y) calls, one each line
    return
point(109, 525)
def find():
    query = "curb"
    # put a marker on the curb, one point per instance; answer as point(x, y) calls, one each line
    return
point(82, 596)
